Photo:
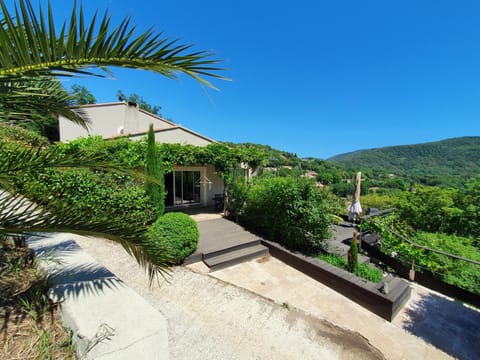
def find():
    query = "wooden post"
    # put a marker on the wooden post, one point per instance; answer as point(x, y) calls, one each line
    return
point(411, 274)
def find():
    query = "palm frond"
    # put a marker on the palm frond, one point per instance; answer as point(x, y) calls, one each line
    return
point(44, 96)
point(18, 215)
point(31, 46)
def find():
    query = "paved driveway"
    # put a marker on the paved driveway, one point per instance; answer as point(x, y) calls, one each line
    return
point(429, 322)
point(264, 309)
point(211, 319)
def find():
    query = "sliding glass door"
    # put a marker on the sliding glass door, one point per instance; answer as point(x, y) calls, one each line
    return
point(182, 188)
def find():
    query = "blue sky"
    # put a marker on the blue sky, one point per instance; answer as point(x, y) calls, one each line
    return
point(316, 78)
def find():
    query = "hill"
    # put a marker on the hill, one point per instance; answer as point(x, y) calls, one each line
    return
point(446, 162)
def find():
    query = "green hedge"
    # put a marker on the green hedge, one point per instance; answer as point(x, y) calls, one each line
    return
point(174, 234)
point(18, 135)
point(94, 195)
point(290, 211)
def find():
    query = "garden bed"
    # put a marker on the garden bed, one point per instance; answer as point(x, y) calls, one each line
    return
point(363, 292)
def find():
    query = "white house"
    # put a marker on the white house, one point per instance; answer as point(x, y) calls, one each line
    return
point(186, 186)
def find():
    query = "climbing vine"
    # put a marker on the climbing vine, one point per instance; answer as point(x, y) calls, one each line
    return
point(132, 153)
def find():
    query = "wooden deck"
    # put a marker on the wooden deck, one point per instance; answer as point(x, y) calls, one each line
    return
point(223, 243)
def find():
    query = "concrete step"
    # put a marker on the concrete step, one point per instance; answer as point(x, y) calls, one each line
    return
point(207, 254)
point(223, 258)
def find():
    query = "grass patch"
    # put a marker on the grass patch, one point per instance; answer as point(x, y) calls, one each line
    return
point(361, 270)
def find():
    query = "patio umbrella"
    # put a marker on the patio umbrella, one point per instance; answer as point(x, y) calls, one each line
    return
point(355, 208)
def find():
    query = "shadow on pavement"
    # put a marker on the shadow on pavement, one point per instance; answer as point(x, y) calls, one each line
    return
point(71, 274)
point(446, 324)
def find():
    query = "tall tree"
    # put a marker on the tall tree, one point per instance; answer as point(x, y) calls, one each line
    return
point(33, 50)
point(153, 167)
point(80, 95)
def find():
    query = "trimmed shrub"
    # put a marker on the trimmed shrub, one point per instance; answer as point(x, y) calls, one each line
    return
point(175, 234)
point(290, 211)
point(18, 135)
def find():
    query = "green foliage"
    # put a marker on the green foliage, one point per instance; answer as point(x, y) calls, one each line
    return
point(80, 95)
point(343, 189)
point(287, 210)
point(174, 234)
point(285, 171)
point(237, 192)
point(153, 167)
point(19, 135)
point(361, 270)
point(453, 271)
point(43, 125)
point(80, 47)
point(93, 195)
point(447, 163)
point(430, 209)
point(221, 156)
point(289, 164)
point(132, 154)
point(353, 254)
point(129, 153)
point(378, 201)
point(469, 202)
point(34, 52)
point(35, 104)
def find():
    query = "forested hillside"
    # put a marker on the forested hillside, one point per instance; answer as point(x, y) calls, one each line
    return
point(443, 162)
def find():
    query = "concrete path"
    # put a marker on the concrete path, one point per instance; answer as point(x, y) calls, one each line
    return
point(210, 319)
point(429, 321)
point(339, 244)
point(109, 321)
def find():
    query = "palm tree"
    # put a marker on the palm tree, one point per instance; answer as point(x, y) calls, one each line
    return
point(32, 53)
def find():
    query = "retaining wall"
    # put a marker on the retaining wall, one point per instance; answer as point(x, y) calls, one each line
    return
point(363, 292)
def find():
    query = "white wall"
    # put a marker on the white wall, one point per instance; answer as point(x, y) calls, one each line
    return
point(216, 186)
point(110, 120)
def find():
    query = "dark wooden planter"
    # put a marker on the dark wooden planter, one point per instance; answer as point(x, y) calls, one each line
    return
point(363, 292)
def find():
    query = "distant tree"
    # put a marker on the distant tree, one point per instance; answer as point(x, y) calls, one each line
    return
point(342, 189)
point(142, 103)
point(153, 167)
point(80, 95)
point(469, 200)
point(430, 209)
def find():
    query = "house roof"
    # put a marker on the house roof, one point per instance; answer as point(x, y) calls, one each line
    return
point(165, 130)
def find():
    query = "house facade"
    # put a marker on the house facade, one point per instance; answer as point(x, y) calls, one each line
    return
point(185, 186)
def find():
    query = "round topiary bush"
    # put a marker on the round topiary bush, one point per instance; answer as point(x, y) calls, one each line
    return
point(173, 234)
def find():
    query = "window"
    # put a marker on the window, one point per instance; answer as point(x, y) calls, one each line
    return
point(182, 188)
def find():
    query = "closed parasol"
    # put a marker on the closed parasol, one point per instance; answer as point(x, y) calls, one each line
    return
point(355, 208)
